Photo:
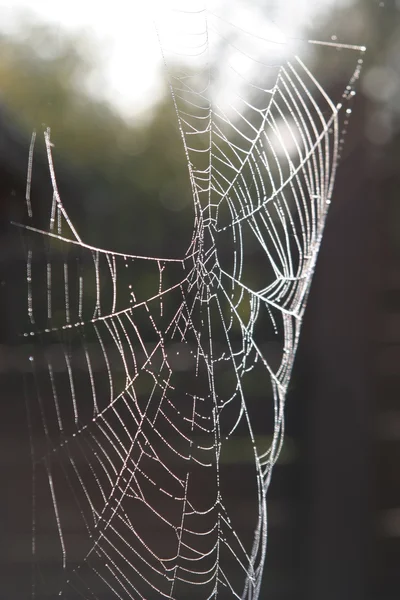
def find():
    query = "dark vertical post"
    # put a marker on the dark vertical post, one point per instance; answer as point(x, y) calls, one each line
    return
point(334, 358)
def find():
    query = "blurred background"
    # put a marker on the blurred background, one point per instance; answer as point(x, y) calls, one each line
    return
point(96, 79)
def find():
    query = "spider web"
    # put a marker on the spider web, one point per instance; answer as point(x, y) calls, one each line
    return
point(149, 373)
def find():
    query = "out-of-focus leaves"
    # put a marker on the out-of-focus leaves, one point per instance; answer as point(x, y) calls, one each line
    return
point(128, 168)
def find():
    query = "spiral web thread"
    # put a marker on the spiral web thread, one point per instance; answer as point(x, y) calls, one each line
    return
point(142, 391)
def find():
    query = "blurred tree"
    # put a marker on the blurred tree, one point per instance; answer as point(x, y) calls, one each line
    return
point(127, 171)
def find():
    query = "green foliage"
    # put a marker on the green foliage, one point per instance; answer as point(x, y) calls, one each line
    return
point(131, 169)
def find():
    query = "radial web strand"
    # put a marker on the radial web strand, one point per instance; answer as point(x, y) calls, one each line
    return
point(143, 393)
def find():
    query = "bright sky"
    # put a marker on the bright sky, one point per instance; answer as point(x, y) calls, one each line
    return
point(125, 30)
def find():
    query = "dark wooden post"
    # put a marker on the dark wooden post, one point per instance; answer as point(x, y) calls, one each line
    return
point(335, 360)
